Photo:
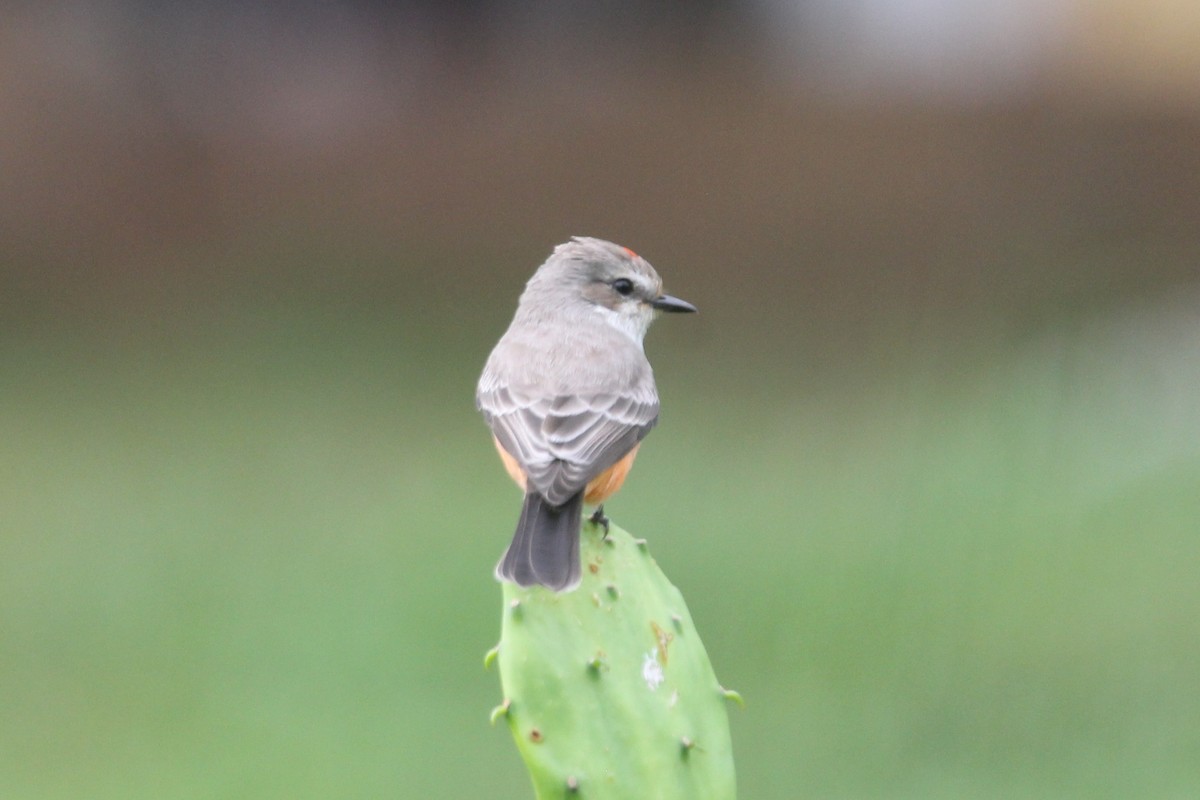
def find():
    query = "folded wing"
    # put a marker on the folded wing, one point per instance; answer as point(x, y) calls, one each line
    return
point(564, 441)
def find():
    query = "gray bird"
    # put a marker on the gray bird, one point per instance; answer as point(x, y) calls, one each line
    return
point(569, 396)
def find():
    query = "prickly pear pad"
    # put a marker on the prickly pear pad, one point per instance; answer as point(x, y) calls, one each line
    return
point(608, 690)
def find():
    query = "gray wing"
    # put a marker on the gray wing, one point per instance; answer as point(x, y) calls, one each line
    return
point(563, 441)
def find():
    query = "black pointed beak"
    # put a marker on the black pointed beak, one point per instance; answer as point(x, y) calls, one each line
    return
point(664, 302)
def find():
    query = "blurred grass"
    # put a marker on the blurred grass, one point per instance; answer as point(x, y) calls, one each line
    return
point(251, 556)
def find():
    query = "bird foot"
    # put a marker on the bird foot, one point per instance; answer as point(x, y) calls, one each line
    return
point(598, 518)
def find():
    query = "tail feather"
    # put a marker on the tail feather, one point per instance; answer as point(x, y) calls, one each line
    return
point(545, 547)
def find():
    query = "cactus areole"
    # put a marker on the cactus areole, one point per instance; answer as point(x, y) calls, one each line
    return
point(607, 688)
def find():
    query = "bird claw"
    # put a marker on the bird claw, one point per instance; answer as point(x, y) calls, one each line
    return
point(598, 518)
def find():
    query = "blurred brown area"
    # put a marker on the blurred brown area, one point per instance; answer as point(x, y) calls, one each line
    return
point(179, 156)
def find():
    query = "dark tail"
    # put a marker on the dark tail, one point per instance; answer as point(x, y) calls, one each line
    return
point(545, 548)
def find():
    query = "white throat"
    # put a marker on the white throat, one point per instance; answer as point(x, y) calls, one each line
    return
point(633, 325)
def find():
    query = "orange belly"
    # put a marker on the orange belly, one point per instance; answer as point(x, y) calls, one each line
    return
point(599, 488)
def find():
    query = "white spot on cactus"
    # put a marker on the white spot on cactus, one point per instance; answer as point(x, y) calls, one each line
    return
point(652, 671)
point(674, 699)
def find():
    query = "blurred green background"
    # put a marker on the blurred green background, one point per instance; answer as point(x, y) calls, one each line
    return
point(928, 468)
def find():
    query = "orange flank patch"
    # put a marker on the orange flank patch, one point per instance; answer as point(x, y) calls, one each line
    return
point(606, 484)
point(510, 465)
point(599, 488)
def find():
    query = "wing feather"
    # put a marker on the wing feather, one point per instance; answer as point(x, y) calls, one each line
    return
point(563, 441)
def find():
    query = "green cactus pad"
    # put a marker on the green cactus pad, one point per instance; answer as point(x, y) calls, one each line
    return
point(608, 690)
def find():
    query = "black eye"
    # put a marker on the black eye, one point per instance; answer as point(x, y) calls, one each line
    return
point(623, 286)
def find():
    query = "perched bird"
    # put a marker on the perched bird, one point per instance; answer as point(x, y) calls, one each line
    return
point(569, 396)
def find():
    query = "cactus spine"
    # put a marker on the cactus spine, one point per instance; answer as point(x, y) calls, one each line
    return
point(608, 690)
